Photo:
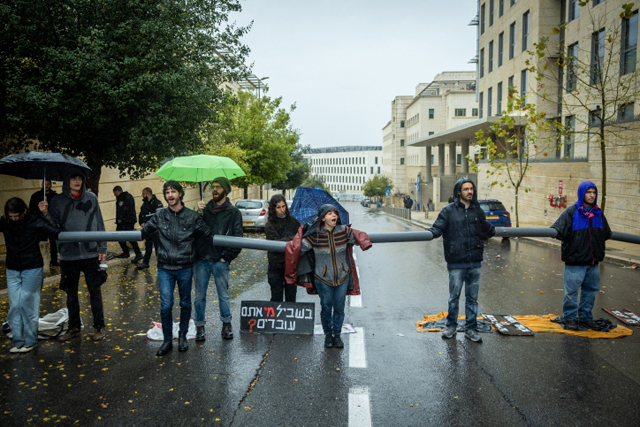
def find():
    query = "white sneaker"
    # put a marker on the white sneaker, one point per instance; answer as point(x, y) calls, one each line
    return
point(26, 349)
point(15, 350)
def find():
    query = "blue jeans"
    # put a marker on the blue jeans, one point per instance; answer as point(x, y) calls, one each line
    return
point(167, 280)
point(24, 305)
point(332, 299)
point(576, 277)
point(470, 277)
point(220, 271)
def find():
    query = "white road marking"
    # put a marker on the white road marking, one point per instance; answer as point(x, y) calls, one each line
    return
point(359, 412)
point(357, 357)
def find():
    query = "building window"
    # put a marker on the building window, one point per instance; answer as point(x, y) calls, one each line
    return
point(431, 113)
point(402, 143)
point(489, 105)
point(482, 63)
point(490, 12)
point(629, 44)
point(525, 31)
point(594, 118)
point(574, 9)
point(461, 112)
point(500, 8)
point(500, 48)
point(430, 133)
point(459, 159)
point(499, 99)
point(512, 40)
point(572, 58)
point(523, 85)
point(625, 113)
point(510, 85)
point(480, 102)
point(371, 170)
point(482, 19)
point(376, 161)
point(597, 2)
point(569, 139)
point(378, 169)
point(402, 160)
point(401, 123)
point(597, 56)
point(491, 56)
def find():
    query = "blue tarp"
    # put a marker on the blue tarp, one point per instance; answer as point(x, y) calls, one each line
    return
point(307, 201)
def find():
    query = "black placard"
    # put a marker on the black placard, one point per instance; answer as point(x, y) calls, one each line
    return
point(507, 325)
point(277, 317)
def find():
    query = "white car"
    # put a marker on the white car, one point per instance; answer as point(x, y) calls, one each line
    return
point(254, 212)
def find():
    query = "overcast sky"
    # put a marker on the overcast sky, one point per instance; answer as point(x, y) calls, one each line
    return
point(342, 62)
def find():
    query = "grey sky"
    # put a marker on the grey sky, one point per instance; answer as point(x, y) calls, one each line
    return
point(343, 62)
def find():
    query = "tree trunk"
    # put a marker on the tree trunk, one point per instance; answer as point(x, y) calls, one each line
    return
point(517, 215)
point(93, 180)
point(246, 192)
point(603, 193)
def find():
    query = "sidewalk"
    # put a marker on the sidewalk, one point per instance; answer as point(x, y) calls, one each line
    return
point(627, 254)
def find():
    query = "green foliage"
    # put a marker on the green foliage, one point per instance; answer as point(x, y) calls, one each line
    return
point(377, 186)
point(260, 129)
point(299, 171)
point(315, 181)
point(121, 83)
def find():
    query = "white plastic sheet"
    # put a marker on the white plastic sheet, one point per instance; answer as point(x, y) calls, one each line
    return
point(155, 333)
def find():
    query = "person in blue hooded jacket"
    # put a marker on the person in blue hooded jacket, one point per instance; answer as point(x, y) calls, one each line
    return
point(583, 229)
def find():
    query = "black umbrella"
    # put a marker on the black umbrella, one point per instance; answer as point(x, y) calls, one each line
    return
point(37, 165)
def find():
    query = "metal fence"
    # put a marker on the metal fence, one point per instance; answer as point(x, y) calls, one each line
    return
point(399, 212)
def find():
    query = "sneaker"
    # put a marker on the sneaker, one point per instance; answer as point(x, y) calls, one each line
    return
point(590, 324)
point(15, 349)
point(571, 325)
point(27, 349)
point(450, 332)
point(100, 334)
point(142, 266)
point(328, 341)
point(71, 333)
point(123, 255)
point(473, 335)
point(138, 257)
point(337, 342)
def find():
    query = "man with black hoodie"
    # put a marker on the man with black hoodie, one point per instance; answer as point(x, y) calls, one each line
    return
point(226, 220)
point(463, 225)
point(36, 198)
point(583, 230)
point(150, 204)
point(77, 209)
point(126, 220)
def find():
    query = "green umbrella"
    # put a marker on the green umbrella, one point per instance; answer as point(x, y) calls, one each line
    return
point(200, 168)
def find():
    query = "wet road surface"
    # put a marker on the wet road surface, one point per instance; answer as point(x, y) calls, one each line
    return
point(402, 377)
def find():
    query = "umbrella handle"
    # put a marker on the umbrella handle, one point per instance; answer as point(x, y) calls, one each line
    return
point(44, 185)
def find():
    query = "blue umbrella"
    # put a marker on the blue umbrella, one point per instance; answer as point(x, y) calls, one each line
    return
point(307, 201)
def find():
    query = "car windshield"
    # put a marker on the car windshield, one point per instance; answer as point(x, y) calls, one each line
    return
point(492, 206)
point(248, 204)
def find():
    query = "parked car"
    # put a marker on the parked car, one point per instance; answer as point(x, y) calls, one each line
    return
point(496, 213)
point(365, 202)
point(254, 212)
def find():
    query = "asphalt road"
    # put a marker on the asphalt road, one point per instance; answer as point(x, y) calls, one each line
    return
point(387, 373)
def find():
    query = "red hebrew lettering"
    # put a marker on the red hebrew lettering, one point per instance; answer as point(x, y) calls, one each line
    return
point(270, 312)
point(252, 323)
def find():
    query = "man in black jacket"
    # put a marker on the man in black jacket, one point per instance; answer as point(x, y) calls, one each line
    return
point(224, 219)
point(36, 198)
point(583, 230)
point(126, 220)
point(463, 225)
point(150, 204)
point(177, 227)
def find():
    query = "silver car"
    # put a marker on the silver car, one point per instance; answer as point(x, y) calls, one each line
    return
point(254, 212)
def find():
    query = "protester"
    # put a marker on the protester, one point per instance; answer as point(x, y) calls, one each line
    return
point(22, 234)
point(77, 209)
point(126, 220)
point(36, 198)
point(150, 205)
point(408, 202)
point(226, 220)
point(583, 229)
point(451, 199)
point(463, 226)
point(281, 226)
point(335, 274)
point(177, 227)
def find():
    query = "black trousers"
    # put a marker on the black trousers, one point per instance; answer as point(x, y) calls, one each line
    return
point(278, 285)
point(149, 244)
point(69, 283)
point(123, 245)
point(53, 248)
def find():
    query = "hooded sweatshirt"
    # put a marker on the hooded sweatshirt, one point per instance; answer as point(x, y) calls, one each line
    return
point(463, 230)
point(77, 214)
point(583, 231)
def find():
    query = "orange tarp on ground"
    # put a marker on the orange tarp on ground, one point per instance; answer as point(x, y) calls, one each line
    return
point(536, 324)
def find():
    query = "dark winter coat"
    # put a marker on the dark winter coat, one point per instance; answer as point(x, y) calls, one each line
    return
point(463, 231)
point(176, 236)
point(408, 203)
point(226, 220)
point(36, 198)
point(125, 209)
point(149, 208)
point(583, 234)
point(282, 230)
point(22, 239)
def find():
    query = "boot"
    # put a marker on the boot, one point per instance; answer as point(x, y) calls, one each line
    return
point(183, 344)
point(328, 341)
point(166, 347)
point(200, 333)
point(137, 258)
point(337, 341)
point(227, 332)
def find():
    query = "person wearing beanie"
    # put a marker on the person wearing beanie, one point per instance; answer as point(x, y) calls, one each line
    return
point(224, 219)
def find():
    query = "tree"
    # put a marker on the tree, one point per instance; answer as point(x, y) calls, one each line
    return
point(122, 83)
point(377, 186)
point(316, 181)
point(517, 138)
point(299, 171)
point(594, 87)
point(262, 130)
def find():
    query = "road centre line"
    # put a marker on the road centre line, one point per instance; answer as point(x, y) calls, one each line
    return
point(357, 355)
point(359, 411)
